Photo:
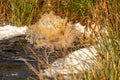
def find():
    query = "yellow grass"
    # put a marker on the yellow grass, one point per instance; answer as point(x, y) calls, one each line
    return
point(52, 31)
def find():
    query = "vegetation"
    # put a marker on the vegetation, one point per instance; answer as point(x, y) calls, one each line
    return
point(105, 13)
point(28, 12)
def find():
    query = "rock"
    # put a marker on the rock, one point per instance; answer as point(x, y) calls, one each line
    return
point(9, 31)
point(75, 62)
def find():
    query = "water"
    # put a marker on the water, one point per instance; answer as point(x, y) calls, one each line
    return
point(11, 67)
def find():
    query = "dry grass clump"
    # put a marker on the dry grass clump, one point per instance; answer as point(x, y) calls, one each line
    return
point(4, 10)
point(51, 31)
point(105, 14)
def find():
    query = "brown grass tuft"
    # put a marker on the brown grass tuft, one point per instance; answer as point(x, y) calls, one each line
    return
point(52, 31)
point(4, 10)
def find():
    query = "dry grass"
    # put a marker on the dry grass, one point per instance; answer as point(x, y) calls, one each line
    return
point(101, 12)
point(4, 10)
point(108, 62)
point(52, 31)
point(28, 12)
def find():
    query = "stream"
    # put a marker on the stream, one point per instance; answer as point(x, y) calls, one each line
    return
point(11, 67)
point(11, 52)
